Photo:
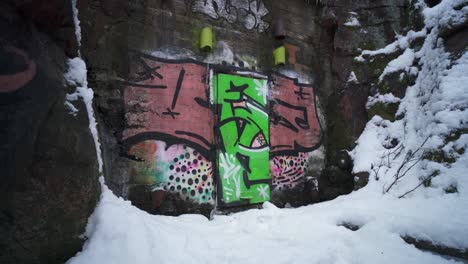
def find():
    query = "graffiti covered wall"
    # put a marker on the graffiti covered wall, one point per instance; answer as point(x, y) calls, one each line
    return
point(169, 128)
point(249, 13)
point(295, 131)
point(243, 147)
point(206, 132)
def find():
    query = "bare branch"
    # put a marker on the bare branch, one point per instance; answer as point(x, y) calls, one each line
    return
point(403, 169)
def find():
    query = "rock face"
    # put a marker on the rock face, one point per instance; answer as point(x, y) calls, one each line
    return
point(48, 168)
point(160, 98)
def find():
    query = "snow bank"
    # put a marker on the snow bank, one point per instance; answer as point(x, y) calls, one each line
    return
point(117, 233)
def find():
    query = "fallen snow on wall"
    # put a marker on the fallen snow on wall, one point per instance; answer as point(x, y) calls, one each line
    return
point(404, 62)
point(381, 98)
point(77, 76)
point(302, 78)
point(221, 53)
point(352, 78)
point(401, 43)
point(352, 20)
point(76, 22)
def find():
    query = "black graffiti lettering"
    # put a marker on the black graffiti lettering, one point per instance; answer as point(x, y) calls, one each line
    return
point(202, 139)
point(147, 73)
point(150, 72)
point(153, 86)
point(205, 103)
point(171, 113)
point(240, 89)
point(244, 161)
point(248, 182)
point(281, 146)
point(178, 86)
point(176, 95)
point(277, 119)
point(302, 95)
point(301, 122)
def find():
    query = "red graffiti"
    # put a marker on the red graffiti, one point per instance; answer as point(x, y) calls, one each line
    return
point(294, 123)
point(14, 81)
point(169, 101)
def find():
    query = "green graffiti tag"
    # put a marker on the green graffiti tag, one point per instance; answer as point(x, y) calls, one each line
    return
point(243, 138)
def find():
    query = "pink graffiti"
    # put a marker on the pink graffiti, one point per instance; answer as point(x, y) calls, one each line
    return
point(170, 99)
point(12, 82)
point(288, 171)
point(295, 125)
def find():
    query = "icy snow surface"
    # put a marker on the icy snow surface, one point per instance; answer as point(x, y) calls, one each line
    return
point(120, 233)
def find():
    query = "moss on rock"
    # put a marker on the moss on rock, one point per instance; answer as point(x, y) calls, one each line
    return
point(386, 111)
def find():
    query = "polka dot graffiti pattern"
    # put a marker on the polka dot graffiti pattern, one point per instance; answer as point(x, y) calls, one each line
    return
point(176, 169)
point(190, 174)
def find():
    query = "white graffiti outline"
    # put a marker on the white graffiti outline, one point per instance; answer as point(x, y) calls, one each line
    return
point(262, 89)
point(228, 166)
point(230, 170)
point(262, 191)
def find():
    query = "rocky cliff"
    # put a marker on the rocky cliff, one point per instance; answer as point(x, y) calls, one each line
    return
point(48, 167)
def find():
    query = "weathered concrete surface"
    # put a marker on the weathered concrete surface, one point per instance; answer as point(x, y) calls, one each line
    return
point(48, 168)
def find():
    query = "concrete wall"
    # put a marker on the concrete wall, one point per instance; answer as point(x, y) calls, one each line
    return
point(130, 44)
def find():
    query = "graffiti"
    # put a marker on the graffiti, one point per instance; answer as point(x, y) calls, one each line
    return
point(295, 131)
point(243, 152)
point(294, 123)
point(20, 69)
point(177, 168)
point(187, 122)
point(168, 127)
point(288, 171)
point(249, 13)
point(168, 101)
point(187, 172)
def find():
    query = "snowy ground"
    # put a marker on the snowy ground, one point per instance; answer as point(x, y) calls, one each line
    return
point(121, 233)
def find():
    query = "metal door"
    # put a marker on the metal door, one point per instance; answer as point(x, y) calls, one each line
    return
point(242, 139)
